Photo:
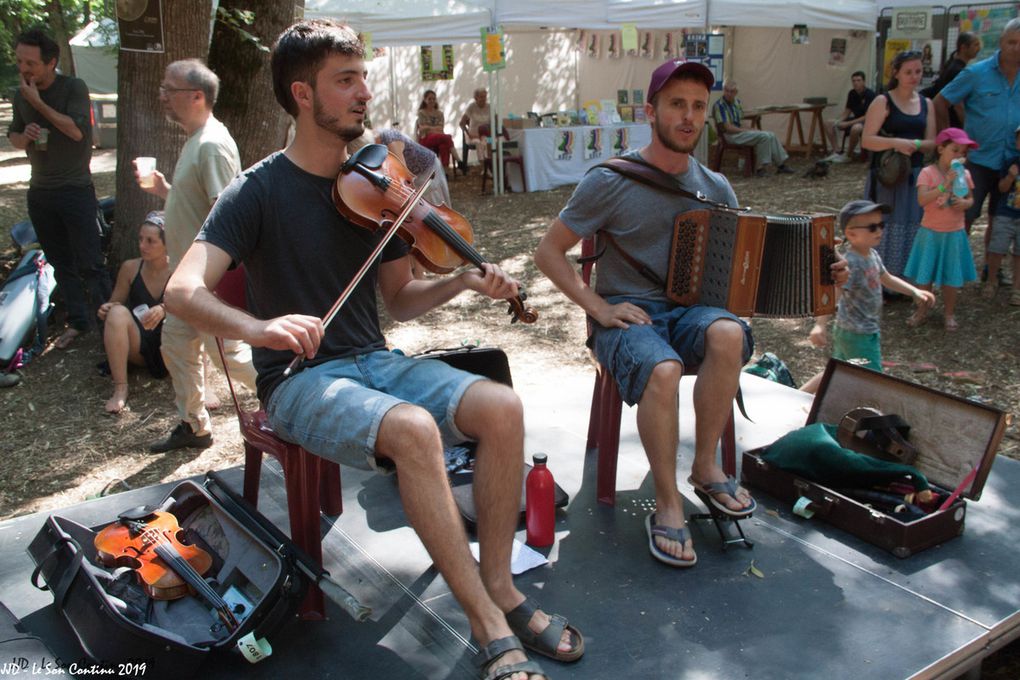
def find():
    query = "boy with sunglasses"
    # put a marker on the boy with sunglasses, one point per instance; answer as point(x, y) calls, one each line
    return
point(856, 336)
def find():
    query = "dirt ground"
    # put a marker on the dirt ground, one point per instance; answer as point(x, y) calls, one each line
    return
point(60, 448)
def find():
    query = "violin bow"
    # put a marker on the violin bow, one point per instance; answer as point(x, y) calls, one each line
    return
point(390, 233)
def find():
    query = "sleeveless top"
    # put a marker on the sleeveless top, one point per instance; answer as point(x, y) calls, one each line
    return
point(151, 339)
point(905, 126)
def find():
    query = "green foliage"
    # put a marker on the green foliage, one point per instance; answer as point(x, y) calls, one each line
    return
point(236, 20)
point(19, 15)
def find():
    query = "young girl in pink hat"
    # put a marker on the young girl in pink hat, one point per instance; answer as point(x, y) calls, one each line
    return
point(940, 255)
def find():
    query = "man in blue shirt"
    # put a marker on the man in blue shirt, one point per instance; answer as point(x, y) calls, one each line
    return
point(727, 113)
point(990, 95)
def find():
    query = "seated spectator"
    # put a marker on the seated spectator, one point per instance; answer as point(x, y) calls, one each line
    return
point(727, 113)
point(968, 46)
point(131, 337)
point(476, 115)
point(430, 134)
point(852, 119)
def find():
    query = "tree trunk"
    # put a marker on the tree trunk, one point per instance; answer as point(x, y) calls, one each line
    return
point(59, 27)
point(142, 128)
point(246, 103)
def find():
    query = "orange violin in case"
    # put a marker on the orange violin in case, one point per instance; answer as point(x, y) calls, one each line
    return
point(956, 442)
point(245, 586)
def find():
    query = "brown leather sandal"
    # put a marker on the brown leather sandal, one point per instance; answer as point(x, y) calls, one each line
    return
point(546, 643)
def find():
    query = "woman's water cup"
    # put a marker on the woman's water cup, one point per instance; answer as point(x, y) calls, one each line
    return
point(140, 311)
point(146, 165)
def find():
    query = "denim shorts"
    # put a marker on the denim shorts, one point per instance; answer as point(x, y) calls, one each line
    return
point(675, 334)
point(1005, 231)
point(865, 348)
point(334, 409)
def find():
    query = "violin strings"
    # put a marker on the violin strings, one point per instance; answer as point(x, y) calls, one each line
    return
point(434, 221)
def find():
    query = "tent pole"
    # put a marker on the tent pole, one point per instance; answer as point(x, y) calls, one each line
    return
point(393, 89)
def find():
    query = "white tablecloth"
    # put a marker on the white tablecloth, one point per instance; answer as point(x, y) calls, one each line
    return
point(557, 156)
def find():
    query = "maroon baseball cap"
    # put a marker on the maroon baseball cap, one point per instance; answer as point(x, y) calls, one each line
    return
point(674, 67)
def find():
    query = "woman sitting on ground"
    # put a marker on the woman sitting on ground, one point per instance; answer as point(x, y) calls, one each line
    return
point(135, 337)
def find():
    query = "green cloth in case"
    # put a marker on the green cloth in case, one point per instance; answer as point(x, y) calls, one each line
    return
point(813, 453)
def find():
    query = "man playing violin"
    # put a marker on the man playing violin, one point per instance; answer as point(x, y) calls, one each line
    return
point(353, 401)
point(639, 335)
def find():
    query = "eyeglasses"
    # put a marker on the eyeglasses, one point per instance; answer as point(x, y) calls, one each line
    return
point(163, 89)
point(873, 227)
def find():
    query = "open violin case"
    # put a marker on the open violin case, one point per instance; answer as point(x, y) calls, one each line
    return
point(117, 622)
point(955, 442)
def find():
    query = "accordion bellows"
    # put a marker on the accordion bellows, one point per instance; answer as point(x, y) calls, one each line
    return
point(753, 264)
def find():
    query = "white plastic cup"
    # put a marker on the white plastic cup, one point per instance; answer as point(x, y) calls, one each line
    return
point(140, 311)
point(42, 141)
point(146, 167)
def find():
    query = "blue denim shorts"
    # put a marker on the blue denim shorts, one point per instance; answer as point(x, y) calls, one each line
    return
point(675, 334)
point(334, 409)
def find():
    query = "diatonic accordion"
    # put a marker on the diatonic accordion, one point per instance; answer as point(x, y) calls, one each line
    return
point(753, 264)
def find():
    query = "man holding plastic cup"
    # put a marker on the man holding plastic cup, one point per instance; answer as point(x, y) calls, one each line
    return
point(51, 123)
point(207, 164)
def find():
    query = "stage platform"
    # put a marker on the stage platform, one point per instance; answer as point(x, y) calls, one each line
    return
point(828, 606)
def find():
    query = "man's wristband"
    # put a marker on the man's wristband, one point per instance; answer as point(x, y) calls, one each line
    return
point(917, 144)
point(942, 188)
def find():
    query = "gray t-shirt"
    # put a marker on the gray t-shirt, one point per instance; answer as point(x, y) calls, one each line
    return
point(299, 254)
point(417, 158)
point(640, 219)
point(860, 306)
point(64, 162)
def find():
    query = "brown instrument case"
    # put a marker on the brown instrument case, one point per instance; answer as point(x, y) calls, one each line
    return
point(956, 439)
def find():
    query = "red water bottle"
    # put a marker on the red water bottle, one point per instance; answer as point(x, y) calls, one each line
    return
point(540, 511)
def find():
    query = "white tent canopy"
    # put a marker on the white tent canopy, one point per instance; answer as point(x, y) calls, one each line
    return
point(419, 22)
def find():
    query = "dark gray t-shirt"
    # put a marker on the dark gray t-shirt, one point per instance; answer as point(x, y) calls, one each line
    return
point(640, 219)
point(64, 163)
point(299, 254)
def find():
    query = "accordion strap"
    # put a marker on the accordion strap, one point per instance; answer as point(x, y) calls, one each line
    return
point(642, 171)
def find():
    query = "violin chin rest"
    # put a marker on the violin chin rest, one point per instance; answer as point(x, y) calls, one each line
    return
point(137, 514)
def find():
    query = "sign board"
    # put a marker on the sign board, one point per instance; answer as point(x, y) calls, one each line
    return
point(913, 23)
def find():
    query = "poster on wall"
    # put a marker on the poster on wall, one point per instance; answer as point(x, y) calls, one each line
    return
point(592, 143)
point(614, 47)
point(140, 24)
point(912, 22)
point(668, 44)
point(493, 50)
point(930, 51)
point(708, 49)
point(436, 62)
point(892, 48)
point(629, 39)
point(564, 145)
point(646, 45)
point(592, 44)
point(837, 52)
point(621, 140)
point(988, 24)
point(799, 35)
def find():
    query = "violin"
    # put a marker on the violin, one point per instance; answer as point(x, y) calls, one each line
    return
point(373, 188)
point(147, 541)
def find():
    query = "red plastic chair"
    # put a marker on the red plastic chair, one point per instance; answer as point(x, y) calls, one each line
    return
point(312, 483)
point(606, 409)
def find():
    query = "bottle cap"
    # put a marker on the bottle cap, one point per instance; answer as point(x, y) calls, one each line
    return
point(540, 458)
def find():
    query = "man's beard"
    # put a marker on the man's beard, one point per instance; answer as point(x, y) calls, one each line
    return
point(332, 123)
point(662, 132)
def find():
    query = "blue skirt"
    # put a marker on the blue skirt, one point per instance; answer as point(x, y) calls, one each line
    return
point(941, 258)
point(901, 224)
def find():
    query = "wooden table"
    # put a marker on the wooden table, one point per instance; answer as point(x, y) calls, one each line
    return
point(794, 121)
